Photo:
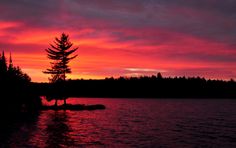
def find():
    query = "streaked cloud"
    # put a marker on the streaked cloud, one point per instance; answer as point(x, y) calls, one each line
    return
point(176, 37)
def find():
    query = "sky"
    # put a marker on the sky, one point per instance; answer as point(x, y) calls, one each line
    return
point(124, 37)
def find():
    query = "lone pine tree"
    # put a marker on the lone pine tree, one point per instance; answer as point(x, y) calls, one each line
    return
point(61, 53)
point(3, 65)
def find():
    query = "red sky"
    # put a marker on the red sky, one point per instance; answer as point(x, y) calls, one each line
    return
point(124, 38)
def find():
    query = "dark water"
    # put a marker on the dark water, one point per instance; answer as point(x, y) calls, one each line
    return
point(130, 123)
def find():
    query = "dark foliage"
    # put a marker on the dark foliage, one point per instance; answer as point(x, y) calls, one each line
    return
point(16, 93)
point(146, 87)
point(61, 55)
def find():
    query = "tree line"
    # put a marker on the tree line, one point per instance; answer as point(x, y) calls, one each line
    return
point(15, 87)
point(154, 86)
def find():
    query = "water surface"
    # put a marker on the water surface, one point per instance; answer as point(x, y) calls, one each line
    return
point(130, 123)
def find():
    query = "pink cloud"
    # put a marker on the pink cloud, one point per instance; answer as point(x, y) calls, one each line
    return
point(178, 37)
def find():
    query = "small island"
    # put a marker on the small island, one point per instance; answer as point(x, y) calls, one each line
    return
point(75, 107)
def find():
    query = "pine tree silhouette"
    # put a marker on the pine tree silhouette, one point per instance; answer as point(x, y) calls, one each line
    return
point(61, 54)
point(3, 65)
point(10, 66)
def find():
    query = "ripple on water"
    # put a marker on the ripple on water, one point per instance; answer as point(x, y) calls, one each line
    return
point(130, 123)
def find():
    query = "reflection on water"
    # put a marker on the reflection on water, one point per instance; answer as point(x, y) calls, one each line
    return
point(58, 130)
point(129, 123)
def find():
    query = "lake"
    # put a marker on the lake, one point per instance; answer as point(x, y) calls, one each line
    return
point(129, 123)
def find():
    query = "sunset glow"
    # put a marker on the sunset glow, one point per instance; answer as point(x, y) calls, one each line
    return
point(124, 38)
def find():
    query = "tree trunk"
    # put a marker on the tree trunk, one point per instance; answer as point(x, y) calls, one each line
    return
point(64, 79)
point(64, 101)
point(55, 102)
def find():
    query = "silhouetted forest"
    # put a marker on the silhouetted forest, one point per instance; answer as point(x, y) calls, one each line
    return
point(141, 87)
point(16, 94)
point(19, 94)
